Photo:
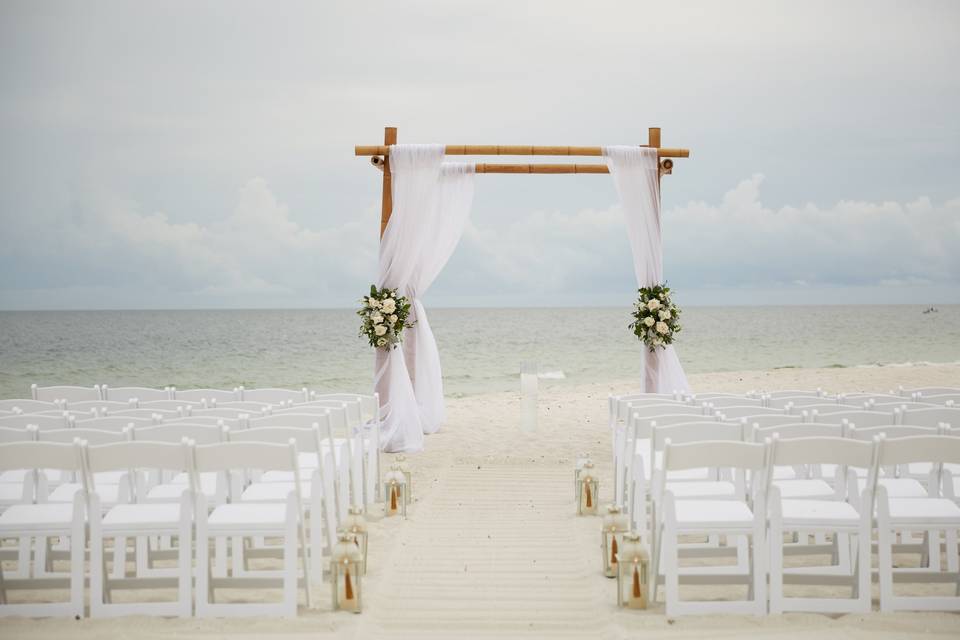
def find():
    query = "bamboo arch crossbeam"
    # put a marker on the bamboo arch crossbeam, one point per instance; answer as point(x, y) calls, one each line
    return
point(381, 159)
point(517, 150)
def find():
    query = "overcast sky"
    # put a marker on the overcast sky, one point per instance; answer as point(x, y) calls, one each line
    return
point(200, 154)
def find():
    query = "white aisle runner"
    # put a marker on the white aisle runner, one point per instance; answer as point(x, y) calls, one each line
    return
point(496, 554)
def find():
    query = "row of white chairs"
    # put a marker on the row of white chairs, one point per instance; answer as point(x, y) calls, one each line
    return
point(266, 482)
point(757, 515)
point(74, 393)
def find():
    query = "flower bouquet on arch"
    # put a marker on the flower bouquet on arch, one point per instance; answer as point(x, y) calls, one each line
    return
point(656, 320)
point(383, 317)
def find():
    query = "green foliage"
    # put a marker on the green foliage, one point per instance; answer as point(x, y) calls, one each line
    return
point(383, 317)
point(656, 320)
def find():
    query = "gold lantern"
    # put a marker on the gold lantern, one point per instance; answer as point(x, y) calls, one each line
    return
point(355, 526)
point(589, 491)
point(633, 578)
point(615, 524)
point(405, 470)
point(345, 571)
point(582, 459)
point(395, 492)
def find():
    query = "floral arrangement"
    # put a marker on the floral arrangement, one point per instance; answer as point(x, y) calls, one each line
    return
point(384, 317)
point(656, 318)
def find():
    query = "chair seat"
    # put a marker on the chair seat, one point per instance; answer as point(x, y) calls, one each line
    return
point(923, 510)
point(784, 473)
point(273, 491)
point(898, 487)
point(36, 517)
point(811, 488)
point(819, 512)
point(109, 493)
point(205, 478)
point(248, 516)
point(712, 513)
point(700, 489)
point(148, 517)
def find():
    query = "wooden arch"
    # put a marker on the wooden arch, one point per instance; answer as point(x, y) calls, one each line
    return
point(380, 158)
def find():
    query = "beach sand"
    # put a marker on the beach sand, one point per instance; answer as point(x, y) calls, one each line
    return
point(493, 548)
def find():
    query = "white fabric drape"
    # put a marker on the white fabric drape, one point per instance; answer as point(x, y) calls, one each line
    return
point(431, 203)
point(635, 172)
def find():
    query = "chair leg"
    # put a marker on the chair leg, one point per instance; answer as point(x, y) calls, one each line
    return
point(98, 568)
point(77, 551)
point(775, 544)
point(885, 561)
point(953, 561)
point(119, 557)
point(670, 570)
point(220, 557)
point(932, 538)
point(863, 568)
point(759, 572)
point(202, 592)
point(184, 557)
point(290, 567)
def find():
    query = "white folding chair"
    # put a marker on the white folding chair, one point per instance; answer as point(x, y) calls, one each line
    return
point(741, 518)
point(180, 406)
point(931, 416)
point(41, 522)
point(208, 395)
point(934, 513)
point(859, 417)
point(138, 520)
point(317, 488)
point(243, 519)
point(736, 412)
point(274, 395)
point(113, 423)
point(42, 422)
point(24, 405)
point(838, 517)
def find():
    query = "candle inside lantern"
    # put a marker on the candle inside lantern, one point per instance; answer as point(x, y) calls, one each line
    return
point(632, 577)
point(347, 595)
point(589, 489)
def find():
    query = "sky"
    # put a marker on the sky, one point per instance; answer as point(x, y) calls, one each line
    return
point(200, 154)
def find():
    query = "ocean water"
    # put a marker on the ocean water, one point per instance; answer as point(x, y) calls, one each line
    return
point(481, 349)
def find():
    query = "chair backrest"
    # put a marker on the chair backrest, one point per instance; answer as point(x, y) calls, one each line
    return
point(142, 394)
point(890, 431)
point(341, 414)
point(65, 392)
point(307, 440)
point(199, 395)
point(369, 404)
point(274, 395)
point(781, 402)
point(40, 421)
point(697, 398)
point(795, 393)
point(763, 420)
point(233, 414)
point(798, 430)
point(943, 399)
point(809, 409)
point(166, 456)
point(100, 406)
point(621, 405)
point(930, 391)
point(933, 449)
point(297, 420)
point(731, 413)
point(236, 456)
point(822, 450)
point(25, 405)
point(695, 432)
point(232, 423)
point(654, 410)
point(156, 415)
point(177, 431)
point(250, 406)
point(91, 436)
point(720, 403)
point(180, 406)
point(39, 455)
point(113, 423)
point(28, 434)
point(718, 453)
point(857, 417)
point(931, 416)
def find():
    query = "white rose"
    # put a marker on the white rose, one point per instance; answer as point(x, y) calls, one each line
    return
point(653, 305)
point(379, 329)
point(381, 342)
point(377, 318)
point(389, 305)
point(374, 303)
point(662, 327)
point(649, 321)
point(664, 315)
point(392, 319)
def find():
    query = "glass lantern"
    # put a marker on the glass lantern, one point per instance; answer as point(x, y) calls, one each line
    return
point(615, 525)
point(345, 571)
point(355, 526)
point(589, 491)
point(405, 470)
point(582, 459)
point(395, 492)
point(633, 563)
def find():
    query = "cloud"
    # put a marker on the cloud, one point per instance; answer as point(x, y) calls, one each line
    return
point(112, 253)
